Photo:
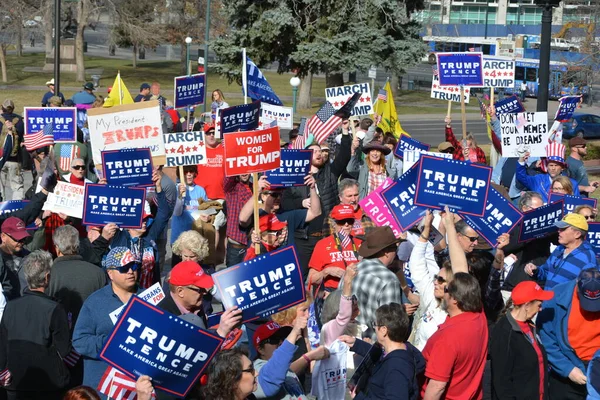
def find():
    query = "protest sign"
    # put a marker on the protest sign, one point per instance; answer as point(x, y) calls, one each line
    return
point(408, 143)
point(374, 206)
point(67, 198)
point(399, 198)
point(339, 95)
point(244, 117)
point(460, 69)
point(509, 105)
point(189, 90)
point(263, 286)
point(121, 205)
point(501, 216)
point(128, 167)
point(252, 151)
point(566, 107)
point(449, 93)
point(411, 157)
point(459, 185)
point(570, 202)
point(15, 205)
point(295, 165)
point(593, 236)
point(63, 120)
point(149, 341)
point(524, 132)
point(153, 295)
point(282, 116)
point(540, 222)
point(128, 126)
point(498, 72)
point(185, 148)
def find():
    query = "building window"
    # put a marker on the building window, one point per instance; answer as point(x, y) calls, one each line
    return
point(471, 15)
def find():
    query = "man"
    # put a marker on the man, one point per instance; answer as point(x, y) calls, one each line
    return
point(12, 251)
point(273, 234)
point(10, 167)
point(457, 351)
point(238, 190)
point(73, 280)
point(155, 90)
point(523, 91)
point(576, 169)
point(144, 94)
point(86, 96)
point(467, 237)
point(348, 192)
point(569, 328)
point(376, 285)
point(34, 337)
point(51, 93)
point(573, 254)
point(94, 324)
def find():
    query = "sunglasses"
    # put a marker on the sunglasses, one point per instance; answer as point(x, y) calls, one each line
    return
point(583, 146)
point(588, 217)
point(473, 239)
point(273, 233)
point(200, 291)
point(274, 194)
point(210, 133)
point(273, 340)
point(18, 241)
point(439, 279)
point(78, 167)
point(125, 269)
point(349, 221)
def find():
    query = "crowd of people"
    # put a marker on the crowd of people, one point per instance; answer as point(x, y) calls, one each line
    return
point(386, 316)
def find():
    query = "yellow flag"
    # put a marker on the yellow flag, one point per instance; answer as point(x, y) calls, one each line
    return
point(387, 109)
point(118, 94)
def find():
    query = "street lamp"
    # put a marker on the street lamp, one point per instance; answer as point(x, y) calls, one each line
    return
point(57, 47)
point(188, 41)
point(206, 37)
point(295, 82)
point(544, 68)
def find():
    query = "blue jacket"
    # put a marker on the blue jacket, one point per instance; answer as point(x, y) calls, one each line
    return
point(593, 377)
point(540, 183)
point(558, 270)
point(274, 372)
point(552, 323)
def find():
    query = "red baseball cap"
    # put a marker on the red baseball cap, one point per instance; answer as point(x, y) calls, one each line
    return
point(270, 222)
point(190, 273)
point(15, 228)
point(527, 291)
point(342, 211)
point(268, 330)
point(208, 127)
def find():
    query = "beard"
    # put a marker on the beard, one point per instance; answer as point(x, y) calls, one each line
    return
point(318, 163)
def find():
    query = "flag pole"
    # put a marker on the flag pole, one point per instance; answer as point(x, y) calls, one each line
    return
point(120, 88)
point(463, 112)
point(449, 112)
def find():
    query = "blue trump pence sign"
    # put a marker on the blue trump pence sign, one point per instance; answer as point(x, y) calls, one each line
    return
point(128, 167)
point(408, 143)
point(117, 204)
point(63, 120)
point(509, 105)
point(189, 90)
point(263, 286)
point(150, 341)
point(399, 198)
point(593, 236)
point(460, 69)
point(295, 165)
point(239, 118)
point(540, 222)
point(571, 202)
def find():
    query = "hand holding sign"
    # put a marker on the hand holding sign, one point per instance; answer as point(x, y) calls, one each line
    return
point(144, 388)
point(530, 269)
point(229, 320)
point(503, 240)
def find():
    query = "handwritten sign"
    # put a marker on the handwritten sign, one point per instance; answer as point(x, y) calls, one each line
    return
point(338, 96)
point(189, 90)
point(498, 72)
point(295, 165)
point(121, 205)
point(524, 132)
point(399, 198)
point(460, 69)
point(185, 148)
point(282, 116)
point(540, 222)
point(571, 202)
point(63, 120)
point(408, 143)
point(128, 167)
point(67, 198)
point(449, 93)
point(253, 151)
point(374, 206)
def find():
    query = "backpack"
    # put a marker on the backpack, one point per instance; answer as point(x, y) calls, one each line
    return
point(15, 138)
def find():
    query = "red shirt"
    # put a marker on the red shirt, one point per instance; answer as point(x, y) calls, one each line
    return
point(527, 331)
point(327, 254)
point(456, 354)
point(210, 175)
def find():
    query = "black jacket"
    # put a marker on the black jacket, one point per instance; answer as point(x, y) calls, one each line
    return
point(168, 304)
point(515, 367)
point(34, 339)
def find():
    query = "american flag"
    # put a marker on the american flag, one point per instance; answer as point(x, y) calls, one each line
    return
point(482, 109)
point(67, 153)
point(300, 141)
point(43, 138)
point(382, 95)
point(345, 239)
point(435, 70)
point(272, 124)
point(324, 122)
point(71, 359)
point(118, 386)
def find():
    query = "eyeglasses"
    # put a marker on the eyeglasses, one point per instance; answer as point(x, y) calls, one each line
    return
point(249, 370)
point(18, 241)
point(349, 221)
point(273, 340)
point(583, 146)
point(78, 167)
point(210, 133)
point(473, 239)
point(274, 194)
point(125, 269)
point(439, 279)
point(273, 233)
point(588, 217)
point(200, 291)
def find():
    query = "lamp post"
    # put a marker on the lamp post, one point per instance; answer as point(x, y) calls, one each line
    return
point(206, 36)
point(544, 69)
point(188, 42)
point(487, 13)
point(295, 82)
point(57, 47)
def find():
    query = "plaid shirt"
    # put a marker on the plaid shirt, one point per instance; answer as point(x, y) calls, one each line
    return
point(374, 286)
point(458, 149)
point(376, 179)
point(236, 195)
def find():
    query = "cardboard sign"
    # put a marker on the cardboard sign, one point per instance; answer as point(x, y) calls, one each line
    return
point(153, 295)
point(63, 120)
point(189, 90)
point(10, 206)
point(185, 148)
point(129, 126)
point(282, 116)
point(374, 206)
point(509, 105)
point(593, 236)
point(501, 216)
point(117, 204)
point(449, 93)
point(253, 151)
point(460, 69)
point(399, 198)
point(67, 198)
point(566, 107)
point(524, 132)
point(570, 202)
point(295, 165)
point(339, 95)
point(459, 185)
point(263, 286)
point(540, 222)
point(408, 143)
point(150, 341)
point(244, 117)
point(411, 157)
point(498, 72)
point(128, 167)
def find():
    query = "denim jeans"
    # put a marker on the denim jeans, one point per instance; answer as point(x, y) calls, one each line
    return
point(234, 256)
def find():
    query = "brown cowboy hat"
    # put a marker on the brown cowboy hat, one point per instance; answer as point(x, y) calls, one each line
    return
point(376, 145)
point(376, 240)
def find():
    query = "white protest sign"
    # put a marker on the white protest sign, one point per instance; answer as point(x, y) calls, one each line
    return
point(67, 199)
point(153, 295)
point(372, 72)
point(185, 148)
point(338, 96)
point(127, 126)
point(524, 132)
point(411, 157)
point(451, 93)
point(498, 72)
point(283, 116)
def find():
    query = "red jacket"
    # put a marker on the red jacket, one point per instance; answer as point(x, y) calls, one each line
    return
point(458, 149)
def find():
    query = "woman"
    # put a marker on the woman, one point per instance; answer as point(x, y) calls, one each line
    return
point(561, 185)
point(373, 170)
point(587, 211)
point(465, 150)
point(81, 393)
point(395, 375)
point(218, 103)
point(519, 361)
